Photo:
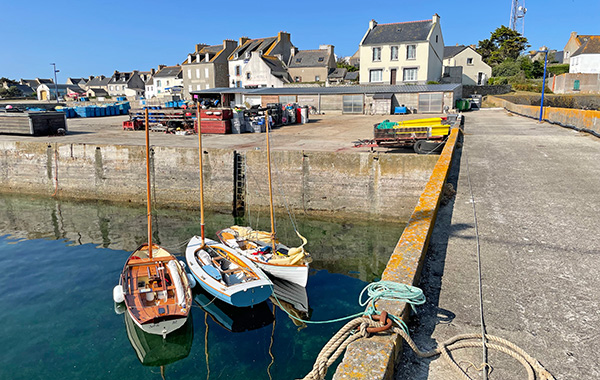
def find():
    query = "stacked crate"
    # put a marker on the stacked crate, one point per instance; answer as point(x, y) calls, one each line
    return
point(216, 120)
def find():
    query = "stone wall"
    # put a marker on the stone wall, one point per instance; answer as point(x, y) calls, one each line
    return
point(363, 184)
point(469, 90)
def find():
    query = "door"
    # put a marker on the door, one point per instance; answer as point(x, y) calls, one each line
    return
point(352, 104)
point(44, 95)
point(393, 76)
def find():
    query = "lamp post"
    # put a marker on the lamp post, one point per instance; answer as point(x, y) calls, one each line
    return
point(544, 82)
point(55, 81)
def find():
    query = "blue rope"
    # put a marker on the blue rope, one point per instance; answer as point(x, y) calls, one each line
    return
point(380, 290)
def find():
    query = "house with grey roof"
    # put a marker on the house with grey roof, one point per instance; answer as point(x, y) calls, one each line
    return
point(474, 70)
point(586, 58)
point(337, 76)
point(207, 67)
point(81, 82)
point(312, 65)
point(404, 52)
point(34, 83)
point(128, 84)
point(167, 81)
point(272, 48)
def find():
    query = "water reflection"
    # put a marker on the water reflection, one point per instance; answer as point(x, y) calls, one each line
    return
point(355, 248)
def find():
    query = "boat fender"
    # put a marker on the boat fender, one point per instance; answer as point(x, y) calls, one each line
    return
point(120, 308)
point(182, 263)
point(179, 291)
point(118, 296)
point(191, 280)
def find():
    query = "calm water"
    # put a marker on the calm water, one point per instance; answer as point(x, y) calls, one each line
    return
point(62, 259)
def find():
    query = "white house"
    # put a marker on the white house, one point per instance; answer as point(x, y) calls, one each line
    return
point(586, 59)
point(265, 71)
point(474, 70)
point(167, 80)
point(404, 52)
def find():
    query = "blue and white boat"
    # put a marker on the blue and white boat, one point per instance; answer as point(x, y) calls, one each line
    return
point(225, 274)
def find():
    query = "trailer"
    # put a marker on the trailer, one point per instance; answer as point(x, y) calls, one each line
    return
point(424, 135)
point(161, 119)
point(33, 123)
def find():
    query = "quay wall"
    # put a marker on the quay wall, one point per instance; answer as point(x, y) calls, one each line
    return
point(581, 120)
point(365, 184)
point(375, 357)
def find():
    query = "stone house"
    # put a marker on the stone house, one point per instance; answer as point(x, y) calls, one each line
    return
point(474, 70)
point(586, 58)
point(128, 84)
point(207, 67)
point(406, 52)
point(168, 80)
point(312, 65)
point(265, 71)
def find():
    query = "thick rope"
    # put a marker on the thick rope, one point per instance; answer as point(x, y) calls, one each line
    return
point(338, 343)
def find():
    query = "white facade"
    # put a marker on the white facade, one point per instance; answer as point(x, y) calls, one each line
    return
point(475, 71)
point(585, 64)
point(403, 62)
point(253, 72)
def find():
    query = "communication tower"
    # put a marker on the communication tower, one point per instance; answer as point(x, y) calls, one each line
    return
point(517, 16)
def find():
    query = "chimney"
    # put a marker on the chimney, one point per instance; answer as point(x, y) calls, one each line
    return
point(436, 18)
point(573, 34)
point(102, 77)
point(160, 67)
point(372, 24)
point(200, 47)
point(283, 36)
point(152, 71)
point(473, 46)
point(292, 51)
point(243, 40)
point(229, 45)
point(329, 48)
point(91, 77)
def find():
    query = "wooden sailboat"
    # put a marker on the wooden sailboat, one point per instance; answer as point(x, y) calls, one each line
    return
point(263, 248)
point(220, 270)
point(153, 284)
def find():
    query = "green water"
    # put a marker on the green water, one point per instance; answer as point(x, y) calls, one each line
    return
point(62, 259)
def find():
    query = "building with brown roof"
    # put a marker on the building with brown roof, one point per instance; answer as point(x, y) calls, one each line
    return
point(586, 58)
point(207, 67)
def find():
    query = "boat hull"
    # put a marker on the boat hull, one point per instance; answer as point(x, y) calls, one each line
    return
point(298, 274)
point(242, 294)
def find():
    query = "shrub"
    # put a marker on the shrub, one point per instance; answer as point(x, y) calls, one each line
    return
point(433, 82)
point(558, 69)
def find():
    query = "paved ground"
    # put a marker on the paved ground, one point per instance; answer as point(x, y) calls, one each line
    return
point(536, 194)
point(329, 132)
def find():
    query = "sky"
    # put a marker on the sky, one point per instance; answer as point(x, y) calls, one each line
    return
point(88, 37)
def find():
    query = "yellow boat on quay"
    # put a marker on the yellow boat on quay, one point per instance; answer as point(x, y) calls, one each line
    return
point(425, 135)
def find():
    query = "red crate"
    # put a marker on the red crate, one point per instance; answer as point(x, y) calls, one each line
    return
point(214, 126)
point(133, 125)
point(216, 114)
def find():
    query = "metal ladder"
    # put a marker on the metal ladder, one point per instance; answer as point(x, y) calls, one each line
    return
point(239, 184)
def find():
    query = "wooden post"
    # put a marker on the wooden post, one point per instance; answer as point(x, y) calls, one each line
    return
point(274, 249)
point(201, 175)
point(149, 205)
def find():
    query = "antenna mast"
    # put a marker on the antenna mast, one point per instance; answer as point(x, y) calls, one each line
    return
point(517, 16)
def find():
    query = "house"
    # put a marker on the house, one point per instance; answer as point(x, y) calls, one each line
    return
point(25, 90)
point(34, 83)
point(168, 80)
point(48, 91)
point(97, 83)
point(128, 84)
point(574, 43)
point(81, 82)
point(312, 65)
point(354, 60)
point(404, 52)
point(207, 67)
point(265, 71)
point(352, 77)
point(586, 59)
point(279, 47)
point(474, 70)
point(337, 75)
point(96, 93)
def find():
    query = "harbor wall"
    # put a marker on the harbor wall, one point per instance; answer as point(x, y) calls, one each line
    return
point(362, 184)
point(582, 120)
point(375, 358)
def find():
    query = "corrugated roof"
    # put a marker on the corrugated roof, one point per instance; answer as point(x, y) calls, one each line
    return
point(310, 58)
point(451, 51)
point(339, 90)
point(411, 31)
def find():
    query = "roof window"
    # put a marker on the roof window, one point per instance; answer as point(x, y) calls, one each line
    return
point(321, 59)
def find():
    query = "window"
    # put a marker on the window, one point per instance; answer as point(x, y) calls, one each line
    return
point(321, 59)
point(112, 88)
point(190, 88)
point(247, 75)
point(430, 102)
point(298, 60)
point(436, 39)
point(411, 51)
point(238, 84)
point(158, 91)
point(410, 75)
point(352, 103)
point(394, 56)
point(206, 72)
point(189, 73)
point(297, 79)
point(376, 54)
point(198, 87)
point(158, 83)
point(207, 86)
point(317, 78)
point(286, 99)
point(376, 75)
point(469, 61)
point(238, 70)
point(167, 83)
point(197, 73)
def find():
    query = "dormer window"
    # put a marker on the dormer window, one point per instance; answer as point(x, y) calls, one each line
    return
point(321, 59)
point(247, 54)
point(298, 60)
point(260, 52)
point(236, 56)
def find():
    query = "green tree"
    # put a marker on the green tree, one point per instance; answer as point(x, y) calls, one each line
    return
point(11, 92)
point(341, 64)
point(508, 68)
point(537, 69)
point(526, 66)
point(504, 43)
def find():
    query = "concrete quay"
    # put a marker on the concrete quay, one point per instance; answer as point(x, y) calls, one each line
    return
point(535, 189)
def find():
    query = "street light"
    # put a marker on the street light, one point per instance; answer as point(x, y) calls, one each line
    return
point(544, 81)
point(55, 81)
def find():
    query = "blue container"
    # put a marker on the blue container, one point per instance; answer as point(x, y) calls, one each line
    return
point(400, 110)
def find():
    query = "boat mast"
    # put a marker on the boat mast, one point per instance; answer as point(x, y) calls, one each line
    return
point(274, 249)
point(201, 175)
point(149, 207)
